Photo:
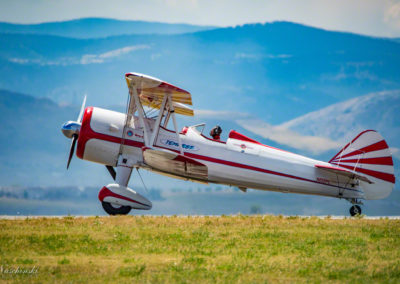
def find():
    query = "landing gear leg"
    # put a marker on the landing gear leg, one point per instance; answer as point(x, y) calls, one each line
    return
point(355, 210)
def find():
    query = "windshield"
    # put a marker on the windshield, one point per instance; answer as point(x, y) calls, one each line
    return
point(198, 127)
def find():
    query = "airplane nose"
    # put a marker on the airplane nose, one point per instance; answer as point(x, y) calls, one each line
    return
point(70, 128)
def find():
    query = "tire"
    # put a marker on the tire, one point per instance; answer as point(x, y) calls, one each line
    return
point(115, 209)
point(355, 210)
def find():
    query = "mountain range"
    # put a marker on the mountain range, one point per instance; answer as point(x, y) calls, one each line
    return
point(277, 71)
point(98, 27)
point(265, 80)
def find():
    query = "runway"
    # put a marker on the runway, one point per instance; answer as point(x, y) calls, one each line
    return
point(21, 217)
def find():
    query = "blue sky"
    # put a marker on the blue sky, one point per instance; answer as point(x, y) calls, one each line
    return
point(370, 17)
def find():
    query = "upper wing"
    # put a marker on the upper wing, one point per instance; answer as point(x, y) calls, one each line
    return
point(174, 163)
point(152, 91)
point(344, 172)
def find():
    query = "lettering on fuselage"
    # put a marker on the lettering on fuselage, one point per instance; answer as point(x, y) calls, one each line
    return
point(323, 180)
point(175, 144)
point(243, 146)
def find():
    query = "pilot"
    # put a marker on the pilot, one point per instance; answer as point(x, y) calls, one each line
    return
point(215, 133)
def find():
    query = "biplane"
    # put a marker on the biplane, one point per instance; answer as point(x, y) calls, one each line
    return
point(362, 170)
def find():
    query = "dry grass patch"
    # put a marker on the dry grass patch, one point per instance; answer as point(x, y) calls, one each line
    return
point(201, 249)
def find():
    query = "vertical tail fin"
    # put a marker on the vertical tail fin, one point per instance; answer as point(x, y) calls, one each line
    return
point(370, 155)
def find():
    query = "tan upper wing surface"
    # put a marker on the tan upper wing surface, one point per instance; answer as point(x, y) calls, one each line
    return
point(152, 91)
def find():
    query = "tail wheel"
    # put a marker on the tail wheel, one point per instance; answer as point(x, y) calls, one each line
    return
point(355, 210)
point(114, 209)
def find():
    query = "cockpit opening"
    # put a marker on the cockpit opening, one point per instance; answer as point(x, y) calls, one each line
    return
point(215, 133)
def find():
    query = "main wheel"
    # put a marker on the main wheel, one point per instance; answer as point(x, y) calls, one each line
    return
point(114, 209)
point(355, 210)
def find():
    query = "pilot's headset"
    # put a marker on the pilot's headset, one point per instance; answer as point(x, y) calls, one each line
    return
point(216, 131)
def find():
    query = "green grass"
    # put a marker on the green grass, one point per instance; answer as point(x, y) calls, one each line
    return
point(201, 249)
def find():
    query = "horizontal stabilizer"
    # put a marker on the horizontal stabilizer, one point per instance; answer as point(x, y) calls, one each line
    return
point(174, 163)
point(344, 172)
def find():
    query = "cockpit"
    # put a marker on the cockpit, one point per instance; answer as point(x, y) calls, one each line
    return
point(215, 133)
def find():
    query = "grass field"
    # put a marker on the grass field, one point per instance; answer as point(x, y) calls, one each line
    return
point(200, 249)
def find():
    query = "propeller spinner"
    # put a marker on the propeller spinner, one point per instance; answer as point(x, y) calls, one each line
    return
point(71, 130)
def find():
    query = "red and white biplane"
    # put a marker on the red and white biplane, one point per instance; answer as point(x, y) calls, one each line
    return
point(362, 170)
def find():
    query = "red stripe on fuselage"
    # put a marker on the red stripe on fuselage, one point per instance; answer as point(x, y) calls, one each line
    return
point(86, 133)
point(239, 136)
point(247, 167)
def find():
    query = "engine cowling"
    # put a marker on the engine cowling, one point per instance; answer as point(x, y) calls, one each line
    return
point(100, 136)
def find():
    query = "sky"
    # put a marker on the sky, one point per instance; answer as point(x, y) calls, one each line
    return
point(369, 17)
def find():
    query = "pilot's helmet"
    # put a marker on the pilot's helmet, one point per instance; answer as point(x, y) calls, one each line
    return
point(216, 131)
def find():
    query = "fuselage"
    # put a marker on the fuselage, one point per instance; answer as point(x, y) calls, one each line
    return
point(239, 161)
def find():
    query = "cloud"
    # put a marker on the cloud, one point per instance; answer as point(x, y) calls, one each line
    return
point(84, 59)
point(224, 115)
point(395, 152)
point(284, 136)
point(243, 55)
point(100, 58)
point(63, 61)
point(279, 134)
point(392, 14)
point(257, 56)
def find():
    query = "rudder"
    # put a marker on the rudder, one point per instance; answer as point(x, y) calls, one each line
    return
point(369, 154)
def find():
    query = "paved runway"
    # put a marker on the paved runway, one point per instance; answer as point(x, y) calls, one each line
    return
point(20, 217)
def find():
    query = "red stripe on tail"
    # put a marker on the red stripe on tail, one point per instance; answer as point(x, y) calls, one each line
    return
point(379, 175)
point(384, 161)
point(348, 144)
point(381, 145)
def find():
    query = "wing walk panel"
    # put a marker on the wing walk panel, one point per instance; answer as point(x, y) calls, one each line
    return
point(174, 163)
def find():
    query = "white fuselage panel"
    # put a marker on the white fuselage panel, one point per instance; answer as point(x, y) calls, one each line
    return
point(237, 163)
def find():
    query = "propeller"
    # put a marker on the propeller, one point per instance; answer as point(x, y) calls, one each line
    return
point(72, 149)
point(71, 130)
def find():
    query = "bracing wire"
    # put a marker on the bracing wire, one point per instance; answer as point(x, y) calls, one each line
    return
point(153, 110)
point(137, 169)
point(125, 125)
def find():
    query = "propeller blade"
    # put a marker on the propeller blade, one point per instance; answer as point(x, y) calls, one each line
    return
point(71, 152)
point(82, 109)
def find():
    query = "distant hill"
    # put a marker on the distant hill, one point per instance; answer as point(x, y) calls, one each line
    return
point(277, 71)
point(33, 150)
point(99, 27)
point(342, 121)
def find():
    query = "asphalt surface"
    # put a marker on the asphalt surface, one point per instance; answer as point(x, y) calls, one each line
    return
point(21, 217)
